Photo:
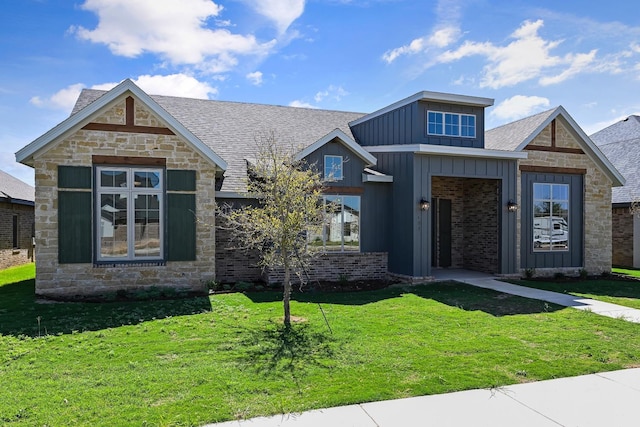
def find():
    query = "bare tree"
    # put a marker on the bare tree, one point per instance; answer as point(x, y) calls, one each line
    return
point(289, 206)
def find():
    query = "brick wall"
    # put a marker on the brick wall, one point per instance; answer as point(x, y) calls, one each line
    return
point(339, 266)
point(54, 279)
point(10, 256)
point(452, 189)
point(622, 237)
point(232, 264)
point(480, 225)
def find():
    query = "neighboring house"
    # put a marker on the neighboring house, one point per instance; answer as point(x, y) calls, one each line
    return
point(415, 185)
point(621, 144)
point(16, 221)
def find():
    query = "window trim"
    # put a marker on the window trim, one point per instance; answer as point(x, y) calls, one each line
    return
point(329, 176)
point(550, 217)
point(442, 124)
point(131, 191)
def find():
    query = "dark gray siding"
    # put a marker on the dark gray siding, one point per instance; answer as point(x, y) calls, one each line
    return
point(410, 246)
point(376, 202)
point(408, 125)
point(552, 259)
point(351, 169)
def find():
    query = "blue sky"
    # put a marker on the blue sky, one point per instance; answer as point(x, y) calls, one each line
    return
point(346, 55)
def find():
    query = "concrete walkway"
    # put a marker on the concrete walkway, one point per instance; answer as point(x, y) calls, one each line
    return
point(487, 281)
point(605, 399)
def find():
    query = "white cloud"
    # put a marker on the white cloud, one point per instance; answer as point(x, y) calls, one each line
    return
point(332, 92)
point(174, 30)
point(519, 106)
point(301, 104)
point(255, 78)
point(170, 85)
point(281, 12)
point(527, 57)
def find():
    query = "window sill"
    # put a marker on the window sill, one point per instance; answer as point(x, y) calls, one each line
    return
point(106, 264)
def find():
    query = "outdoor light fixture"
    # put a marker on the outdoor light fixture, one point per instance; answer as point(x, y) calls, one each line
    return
point(424, 204)
point(512, 206)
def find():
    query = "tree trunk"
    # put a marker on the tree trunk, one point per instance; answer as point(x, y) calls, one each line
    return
point(286, 298)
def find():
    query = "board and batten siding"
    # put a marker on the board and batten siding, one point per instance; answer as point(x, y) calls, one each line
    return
point(408, 125)
point(352, 165)
point(410, 252)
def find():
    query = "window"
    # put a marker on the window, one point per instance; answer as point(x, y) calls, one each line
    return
point(130, 214)
point(333, 168)
point(550, 217)
point(451, 124)
point(16, 236)
point(341, 227)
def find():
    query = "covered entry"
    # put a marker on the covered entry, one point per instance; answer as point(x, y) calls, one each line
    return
point(465, 217)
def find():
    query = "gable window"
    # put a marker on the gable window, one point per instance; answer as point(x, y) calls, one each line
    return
point(130, 214)
point(451, 124)
point(341, 226)
point(333, 168)
point(550, 217)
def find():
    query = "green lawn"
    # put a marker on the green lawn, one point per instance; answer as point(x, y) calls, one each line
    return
point(621, 292)
point(627, 272)
point(195, 361)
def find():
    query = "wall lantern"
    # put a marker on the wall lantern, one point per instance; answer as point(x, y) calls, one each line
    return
point(424, 204)
point(512, 206)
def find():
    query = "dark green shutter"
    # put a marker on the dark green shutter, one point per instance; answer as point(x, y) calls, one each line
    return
point(181, 227)
point(74, 227)
point(74, 177)
point(181, 180)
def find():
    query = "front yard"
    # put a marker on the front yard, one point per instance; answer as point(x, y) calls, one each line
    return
point(200, 360)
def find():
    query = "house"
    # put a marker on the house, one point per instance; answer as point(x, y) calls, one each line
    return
point(620, 142)
point(16, 221)
point(127, 187)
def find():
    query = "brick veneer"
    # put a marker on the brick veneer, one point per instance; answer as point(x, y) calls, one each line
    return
point(10, 256)
point(54, 279)
point(622, 237)
point(480, 225)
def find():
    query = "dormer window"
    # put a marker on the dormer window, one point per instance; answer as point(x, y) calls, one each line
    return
point(451, 124)
point(333, 168)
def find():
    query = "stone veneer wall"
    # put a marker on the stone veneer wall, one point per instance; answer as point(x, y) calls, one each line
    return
point(597, 198)
point(53, 279)
point(10, 256)
point(341, 266)
point(622, 237)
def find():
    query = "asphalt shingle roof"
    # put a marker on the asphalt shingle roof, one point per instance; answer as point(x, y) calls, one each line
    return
point(620, 142)
point(232, 128)
point(12, 187)
point(510, 136)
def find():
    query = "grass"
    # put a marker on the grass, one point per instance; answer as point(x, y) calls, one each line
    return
point(201, 360)
point(615, 291)
point(626, 272)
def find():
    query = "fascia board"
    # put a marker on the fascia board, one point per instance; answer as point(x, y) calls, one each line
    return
point(79, 119)
point(369, 159)
point(448, 98)
point(443, 150)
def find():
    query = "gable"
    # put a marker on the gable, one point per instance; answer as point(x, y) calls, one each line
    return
point(556, 136)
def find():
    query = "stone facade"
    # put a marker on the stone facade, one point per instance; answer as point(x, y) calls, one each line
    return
point(622, 237)
point(77, 149)
point(9, 255)
point(597, 196)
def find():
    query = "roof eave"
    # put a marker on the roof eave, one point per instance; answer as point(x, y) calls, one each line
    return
point(356, 148)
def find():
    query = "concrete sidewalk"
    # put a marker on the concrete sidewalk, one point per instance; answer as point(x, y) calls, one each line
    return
point(605, 399)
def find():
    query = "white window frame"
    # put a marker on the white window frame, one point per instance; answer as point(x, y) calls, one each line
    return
point(459, 126)
point(329, 173)
point(131, 190)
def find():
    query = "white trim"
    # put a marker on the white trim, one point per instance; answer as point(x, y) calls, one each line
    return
point(445, 150)
point(448, 98)
point(376, 178)
point(331, 177)
point(78, 120)
point(346, 140)
point(595, 154)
